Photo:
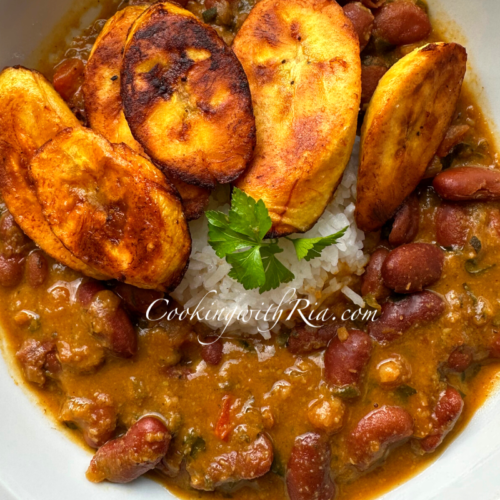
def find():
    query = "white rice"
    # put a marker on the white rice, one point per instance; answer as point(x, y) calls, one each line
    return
point(314, 280)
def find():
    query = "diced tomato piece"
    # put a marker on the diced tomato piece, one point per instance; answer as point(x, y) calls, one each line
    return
point(224, 427)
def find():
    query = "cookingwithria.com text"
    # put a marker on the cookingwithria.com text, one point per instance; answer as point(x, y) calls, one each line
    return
point(290, 307)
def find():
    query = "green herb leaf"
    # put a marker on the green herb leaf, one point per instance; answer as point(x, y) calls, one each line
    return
point(276, 272)
point(310, 248)
point(248, 216)
point(405, 391)
point(496, 320)
point(347, 392)
point(248, 268)
point(226, 241)
point(246, 345)
point(239, 238)
point(209, 15)
point(278, 467)
point(470, 293)
point(472, 267)
point(475, 243)
point(198, 446)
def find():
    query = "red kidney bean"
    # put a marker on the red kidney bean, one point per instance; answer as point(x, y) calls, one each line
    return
point(250, 462)
point(87, 291)
point(372, 282)
point(397, 317)
point(446, 413)
point(137, 300)
point(124, 459)
point(179, 372)
point(362, 21)
point(95, 417)
point(11, 235)
point(212, 351)
point(109, 320)
point(304, 339)
point(401, 23)
point(37, 268)
point(460, 359)
point(495, 347)
point(410, 268)
point(468, 183)
point(345, 361)
point(36, 360)
point(494, 221)
point(452, 225)
point(111, 324)
point(370, 76)
point(406, 222)
point(308, 471)
point(376, 432)
point(256, 460)
point(68, 77)
point(11, 270)
point(52, 363)
point(454, 136)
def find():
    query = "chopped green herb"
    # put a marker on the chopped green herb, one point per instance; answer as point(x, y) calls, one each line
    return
point(198, 446)
point(405, 391)
point(310, 248)
point(472, 267)
point(282, 338)
point(193, 444)
point(422, 5)
point(475, 243)
point(277, 466)
point(347, 392)
point(239, 238)
point(496, 320)
point(470, 293)
point(209, 15)
point(246, 345)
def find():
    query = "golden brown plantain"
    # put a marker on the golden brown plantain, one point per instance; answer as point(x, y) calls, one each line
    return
point(31, 113)
point(101, 88)
point(112, 208)
point(103, 102)
point(302, 61)
point(404, 125)
point(186, 97)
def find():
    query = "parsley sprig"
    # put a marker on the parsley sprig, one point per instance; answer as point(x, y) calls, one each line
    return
point(239, 237)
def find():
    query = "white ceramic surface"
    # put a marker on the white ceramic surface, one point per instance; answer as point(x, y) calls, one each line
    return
point(38, 462)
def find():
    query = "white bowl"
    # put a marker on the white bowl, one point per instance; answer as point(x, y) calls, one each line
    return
point(38, 462)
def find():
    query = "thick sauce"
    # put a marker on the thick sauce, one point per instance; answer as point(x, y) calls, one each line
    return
point(217, 403)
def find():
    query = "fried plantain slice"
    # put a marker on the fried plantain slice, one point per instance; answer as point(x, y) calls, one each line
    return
point(302, 61)
point(186, 97)
point(112, 208)
point(404, 125)
point(31, 113)
point(103, 102)
point(101, 88)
